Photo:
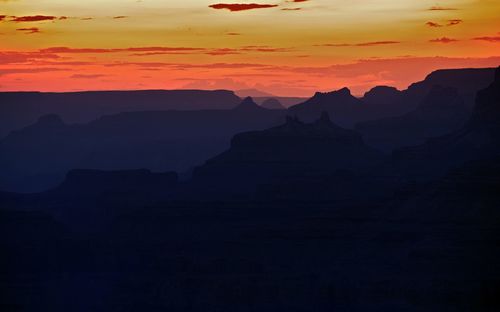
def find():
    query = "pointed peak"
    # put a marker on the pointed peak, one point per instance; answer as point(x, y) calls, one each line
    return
point(248, 103)
point(344, 91)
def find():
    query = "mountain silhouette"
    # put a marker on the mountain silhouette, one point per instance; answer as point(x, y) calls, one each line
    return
point(37, 157)
point(248, 105)
point(285, 101)
point(285, 216)
point(380, 95)
point(442, 111)
point(383, 101)
point(478, 139)
point(272, 104)
point(19, 109)
point(467, 81)
point(294, 149)
point(252, 93)
point(340, 104)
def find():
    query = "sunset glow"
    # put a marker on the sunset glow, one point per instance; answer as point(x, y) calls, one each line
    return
point(291, 48)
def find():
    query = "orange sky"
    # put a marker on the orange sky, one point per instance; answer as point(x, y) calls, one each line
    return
point(288, 47)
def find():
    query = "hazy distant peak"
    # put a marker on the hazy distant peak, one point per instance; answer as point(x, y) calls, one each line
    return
point(248, 104)
point(272, 104)
point(252, 92)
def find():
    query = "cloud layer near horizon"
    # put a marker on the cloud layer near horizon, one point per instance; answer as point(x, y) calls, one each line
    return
point(286, 47)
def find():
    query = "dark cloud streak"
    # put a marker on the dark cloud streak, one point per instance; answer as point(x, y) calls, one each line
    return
point(235, 7)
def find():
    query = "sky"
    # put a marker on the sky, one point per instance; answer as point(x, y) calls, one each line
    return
point(282, 47)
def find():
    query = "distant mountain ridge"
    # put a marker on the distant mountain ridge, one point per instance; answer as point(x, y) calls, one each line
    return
point(383, 101)
point(443, 110)
point(38, 156)
point(478, 139)
point(19, 109)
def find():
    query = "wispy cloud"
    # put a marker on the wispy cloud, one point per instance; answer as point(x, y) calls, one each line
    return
point(29, 31)
point(33, 18)
point(362, 44)
point(87, 76)
point(454, 22)
point(488, 38)
point(433, 24)
point(443, 40)
point(440, 8)
point(235, 7)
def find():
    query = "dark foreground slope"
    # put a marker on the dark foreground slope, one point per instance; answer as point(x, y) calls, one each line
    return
point(19, 109)
point(430, 248)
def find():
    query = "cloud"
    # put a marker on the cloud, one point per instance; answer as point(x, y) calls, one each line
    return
point(12, 71)
point(451, 22)
point(454, 22)
point(291, 9)
point(2, 17)
point(362, 44)
point(117, 50)
point(120, 17)
point(440, 8)
point(87, 76)
point(215, 84)
point(233, 34)
point(263, 49)
point(488, 39)
point(149, 51)
point(234, 7)
point(33, 18)
point(443, 40)
point(186, 66)
point(433, 24)
point(376, 43)
point(8, 57)
point(28, 31)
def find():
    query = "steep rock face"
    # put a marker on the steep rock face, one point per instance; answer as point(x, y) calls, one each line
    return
point(487, 109)
point(294, 149)
point(478, 139)
point(442, 111)
point(344, 108)
point(467, 81)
